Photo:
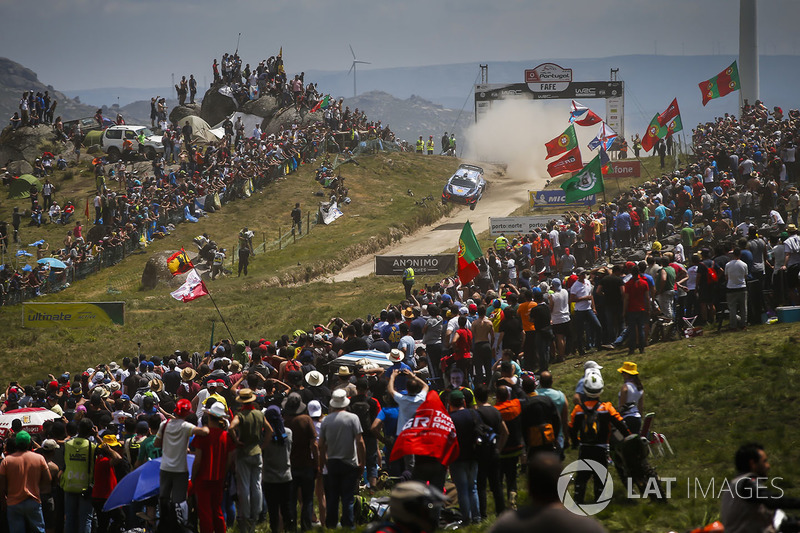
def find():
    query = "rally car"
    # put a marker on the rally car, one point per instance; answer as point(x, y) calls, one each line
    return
point(465, 186)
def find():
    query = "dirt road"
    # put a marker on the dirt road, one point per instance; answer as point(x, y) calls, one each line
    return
point(503, 195)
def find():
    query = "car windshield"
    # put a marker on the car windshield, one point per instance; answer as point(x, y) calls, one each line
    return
point(146, 131)
point(460, 181)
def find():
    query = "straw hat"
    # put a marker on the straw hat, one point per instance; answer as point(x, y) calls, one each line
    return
point(245, 396)
point(156, 385)
point(344, 372)
point(628, 368)
point(396, 355)
point(188, 374)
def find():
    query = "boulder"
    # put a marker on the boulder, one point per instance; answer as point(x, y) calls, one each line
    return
point(181, 111)
point(26, 143)
point(94, 149)
point(265, 107)
point(18, 168)
point(156, 271)
point(283, 120)
point(216, 106)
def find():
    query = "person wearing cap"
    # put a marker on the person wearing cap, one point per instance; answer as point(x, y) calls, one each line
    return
point(22, 476)
point(588, 366)
point(173, 438)
point(343, 452)
point(586, 322)
point(251, 431)
point(631, 396)
point(210, 469)
point(304, 456)
point(105, 479)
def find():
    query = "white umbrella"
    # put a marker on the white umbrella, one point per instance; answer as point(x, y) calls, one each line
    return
point(33, 418)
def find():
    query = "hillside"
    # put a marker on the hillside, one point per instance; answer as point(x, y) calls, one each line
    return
point(15, 79)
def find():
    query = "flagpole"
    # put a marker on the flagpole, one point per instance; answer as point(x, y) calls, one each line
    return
point(215, 306)
point(213, 323)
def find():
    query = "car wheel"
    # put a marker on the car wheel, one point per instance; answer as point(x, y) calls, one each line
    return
point(113, 154)
point(150, 153)
point(444, 202)
point(472, 207)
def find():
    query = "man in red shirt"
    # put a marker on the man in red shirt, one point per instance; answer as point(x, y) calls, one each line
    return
point(462, 346)
point(210, 468)
point(636, 303)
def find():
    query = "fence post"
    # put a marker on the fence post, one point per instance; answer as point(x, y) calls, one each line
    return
point(294, 236)
point(279, 238)
point(308, 222)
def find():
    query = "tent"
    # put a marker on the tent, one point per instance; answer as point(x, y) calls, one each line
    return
point(21, 187)
point(92, 137)
point(201, 132)
point(249, 122)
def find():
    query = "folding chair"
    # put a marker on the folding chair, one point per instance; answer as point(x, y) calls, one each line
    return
point(654, 440)
point(689, 329)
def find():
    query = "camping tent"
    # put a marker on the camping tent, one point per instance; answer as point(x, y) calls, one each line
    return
point(201, 132)
point(92, 137)
point(21, 187)
point(249, 122)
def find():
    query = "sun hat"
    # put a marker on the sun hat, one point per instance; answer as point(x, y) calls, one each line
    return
point(314, 409)
point(315, 378)
point(591, 364)
point(188, 374)
point(217, 410)
point(293, 404)
point(344, 372)
point(245, 396)
point(49, 445)
point(156, 385)
point(396, 355)
point(339, 399)
point(111, 440)
point(628, 368)
point(114, 386)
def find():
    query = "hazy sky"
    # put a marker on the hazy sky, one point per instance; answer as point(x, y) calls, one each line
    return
point(78, 44)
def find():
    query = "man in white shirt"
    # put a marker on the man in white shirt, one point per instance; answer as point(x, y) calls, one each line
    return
point(736, 284)
point(585, 314)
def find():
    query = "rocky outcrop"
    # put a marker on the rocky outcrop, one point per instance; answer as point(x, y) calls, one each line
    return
point(18, 168)
point(285, 118)
point(182, 111)
point(216, 106)
point(156, 271)
point(265, 107)
point(26, 143)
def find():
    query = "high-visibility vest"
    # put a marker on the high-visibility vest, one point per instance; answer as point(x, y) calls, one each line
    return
point(420, 144)
point(219, 257)
point(500, 243)
point(77, 473)
point(408, 274)
point(430, 145)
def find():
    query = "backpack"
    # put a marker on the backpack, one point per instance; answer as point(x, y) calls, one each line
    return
point(361, 409)
point(589, 430)
point(293, 365)
point(485, 437)
point(540, 432)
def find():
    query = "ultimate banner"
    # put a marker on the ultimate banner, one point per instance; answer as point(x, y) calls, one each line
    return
point(73, 314)
point(394, 265)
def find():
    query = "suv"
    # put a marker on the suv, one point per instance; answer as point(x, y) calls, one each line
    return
point(114, 136)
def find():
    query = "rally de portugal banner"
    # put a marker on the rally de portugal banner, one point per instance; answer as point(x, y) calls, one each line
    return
point(72, 315)
point(394, 265)
point(556, 198)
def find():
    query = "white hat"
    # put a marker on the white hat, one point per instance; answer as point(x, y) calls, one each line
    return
point(591, 364)
point(217, 410)
point(396, 355)
point(339, 399)
point(315, 378)
point(113, 366)
point(314, 409)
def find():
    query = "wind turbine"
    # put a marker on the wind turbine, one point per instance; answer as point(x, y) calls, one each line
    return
point(353, 69)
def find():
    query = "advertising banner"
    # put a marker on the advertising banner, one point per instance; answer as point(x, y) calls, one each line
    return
point(555, 198)
point(624, 169)
point(514, 225)
point(72, 314)
point(394, 265)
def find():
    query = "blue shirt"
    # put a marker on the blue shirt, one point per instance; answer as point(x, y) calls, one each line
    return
point(623, 221)
point(388, 415)
point(391, 334)
point(687, 216)
point(400, 380)
point(661, 213)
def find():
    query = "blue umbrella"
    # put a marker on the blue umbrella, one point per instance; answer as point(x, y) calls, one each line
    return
point(52, 261)
point(139, 485)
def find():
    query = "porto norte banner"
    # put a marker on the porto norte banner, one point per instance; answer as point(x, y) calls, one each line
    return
point(72, 314)
point(394, 265)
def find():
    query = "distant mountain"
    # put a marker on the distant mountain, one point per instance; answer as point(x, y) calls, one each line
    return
point(16, 79)
point(411, 117)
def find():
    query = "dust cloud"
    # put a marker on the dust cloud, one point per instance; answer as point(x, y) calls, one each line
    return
point(514, 132)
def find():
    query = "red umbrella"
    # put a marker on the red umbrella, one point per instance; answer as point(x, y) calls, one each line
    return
point(33, 418)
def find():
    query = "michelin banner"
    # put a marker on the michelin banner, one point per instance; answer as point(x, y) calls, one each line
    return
point(555, 198)
point(72, 315)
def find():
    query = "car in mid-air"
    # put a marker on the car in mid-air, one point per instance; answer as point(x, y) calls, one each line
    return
point(465, 186)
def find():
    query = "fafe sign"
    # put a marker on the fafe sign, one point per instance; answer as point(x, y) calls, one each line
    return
point(624, 169)
point(548, 77)
point(72, 315)
point(556, 198)
point(394, 265)
point(514, 225)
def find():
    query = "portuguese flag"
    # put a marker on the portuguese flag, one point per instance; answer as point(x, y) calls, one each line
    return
point(655, 131)
point(723, 83)
point(563, 143)
point(468, 252)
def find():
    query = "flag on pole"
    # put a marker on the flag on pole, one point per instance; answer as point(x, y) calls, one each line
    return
point(571, 162)
point(675, 125)
point(563, 143)
point(605, 137)
point(468, 252)
point(654, 132)
point(671, 112)
point(723, 83)
point(605, 161)
point(430, 432)
point(582, 115)
point(585, 183)
point(193, 288)
point(322, 104)
point(179, 262)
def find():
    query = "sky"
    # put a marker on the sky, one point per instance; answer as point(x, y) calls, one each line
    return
point(79, 44)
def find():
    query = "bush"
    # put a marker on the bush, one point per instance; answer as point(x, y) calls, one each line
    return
point(68, 175)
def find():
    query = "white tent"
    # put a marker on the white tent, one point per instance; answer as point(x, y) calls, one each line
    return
point(201, 131)
point(249, 122)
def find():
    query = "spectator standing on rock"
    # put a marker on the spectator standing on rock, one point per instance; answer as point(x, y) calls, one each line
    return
point(192, 88)
point(445, 143)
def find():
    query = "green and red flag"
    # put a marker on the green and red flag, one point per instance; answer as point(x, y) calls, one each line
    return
point(563, 143)
point(468, 252)
point(585, 183)
point(723, 83)
point(655, 131)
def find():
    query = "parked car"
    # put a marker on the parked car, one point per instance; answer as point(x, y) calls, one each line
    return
point(465, 186)
point(113, 137)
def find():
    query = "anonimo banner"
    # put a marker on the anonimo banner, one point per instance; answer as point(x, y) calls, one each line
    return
point(72, 315)
point(394, 265)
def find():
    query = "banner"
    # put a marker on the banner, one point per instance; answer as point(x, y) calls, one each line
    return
point(555, 199)
point(394, 265)
point(514, 225)
point(624, 169)
point(72, 314)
